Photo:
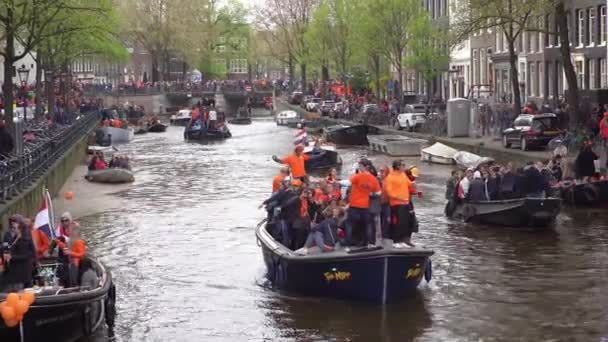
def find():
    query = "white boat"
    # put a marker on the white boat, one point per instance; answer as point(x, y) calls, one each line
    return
point(287, 116)
point(438, 153)
point(470, 160)
point(106, 150)
point(181, 118)
point(112, 175)
point(395, 145)
point(119, 135)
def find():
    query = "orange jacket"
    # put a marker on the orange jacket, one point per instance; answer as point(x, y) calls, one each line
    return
point(397, 187)
point(116, 123)
point(296, 164)
point(79, 250)
point(362, 185)
point(276, 181)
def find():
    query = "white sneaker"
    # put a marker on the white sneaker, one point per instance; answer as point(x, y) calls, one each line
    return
point(370, 245)
point(302, 251)
point(399, 245)
point(347, 249)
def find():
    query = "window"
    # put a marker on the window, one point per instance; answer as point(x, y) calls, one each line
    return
point(532, 85)
point(581, 27)
point(221, 48)
point(592, 26)
point(482, 66)
point(578, 66)
point(499, 35)
point(525, 41)
point(604, 76)
point(550, 73)
point(238, 66)
point(551, 27)
point(532, 36)
point(475, 67)
point(541, 36)
point(540, 83)
point(592, 72)
point(602, 24)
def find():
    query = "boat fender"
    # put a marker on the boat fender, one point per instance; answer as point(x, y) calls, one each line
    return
point(110, 306)
point(591, 193)
point(279, 275)
point(428, 272)
point(468, 212)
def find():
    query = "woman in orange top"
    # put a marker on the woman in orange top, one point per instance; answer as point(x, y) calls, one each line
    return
point(295, 162)
point(278, 179)
point(397, 187)
point(363, 184)
point(76, 247)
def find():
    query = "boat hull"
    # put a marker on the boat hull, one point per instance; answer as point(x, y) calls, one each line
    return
point(119, 135)
point(395, 145)
point(157, 128)
point(349, 135)
point(111, 176)
point(328, 160)
point(535, 212)
point(586, 195)
point(378, 276)
point(179, 122)
point(427, 157)
point(240, 121)
point(203, 135)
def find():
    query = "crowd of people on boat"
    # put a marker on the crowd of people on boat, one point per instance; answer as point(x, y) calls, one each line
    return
point(24, 247)
point(206, 117)
point(369, 208)
point(97, 162)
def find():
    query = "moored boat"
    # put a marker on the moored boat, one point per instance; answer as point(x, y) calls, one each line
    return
point(527, 211)
point(395, 145)
point(583, 194)
point(323, 157)
point(119, 135)
point(65, 314)
point(113, 175)
point(181, 118)
point(379, 275)
point(438, 153)
point(141, 131)
point(157, 128)
point(467, 160)
point(201, 134)
point(349, 135)
point(240, 121)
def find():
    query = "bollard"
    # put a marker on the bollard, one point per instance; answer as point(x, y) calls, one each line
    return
point(18, 134)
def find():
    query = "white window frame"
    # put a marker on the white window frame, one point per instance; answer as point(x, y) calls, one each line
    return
point(541, 80)
point(592, 26)
point(603, 25)
point(238, 66)
point(603, 74)
point(221, 48)
point(532, 76)
point(581, 28)
point(482, 66)
point(475, 67)
point(592, 68)
point(541, 36)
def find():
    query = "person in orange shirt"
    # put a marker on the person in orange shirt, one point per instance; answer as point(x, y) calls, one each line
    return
point(276, 181)
point(41, 241)
point(295, 162)
point(116, 123)
point(363, 184)
point(105, 123)
point(398, 187)
point(75, 248)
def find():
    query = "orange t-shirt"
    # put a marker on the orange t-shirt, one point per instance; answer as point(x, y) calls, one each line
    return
point(397, 187)
point(106, 123)
point(195, 113)
point(296, 164)
point(320, 197)
point(79, 249)
point(362, 185)
point(116, 123)
point(276, 181)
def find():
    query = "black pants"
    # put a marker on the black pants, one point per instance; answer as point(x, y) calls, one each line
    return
point(400, 223)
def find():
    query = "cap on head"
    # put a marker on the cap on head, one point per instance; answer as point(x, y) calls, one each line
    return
point(477, 174)
point(66, 216)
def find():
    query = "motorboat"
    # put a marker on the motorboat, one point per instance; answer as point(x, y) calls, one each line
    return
point(322, 157)
point(200, 133)
point(240, 121)
point(106, 150)
point(527, 211)
point(62, 313)
point(395, 145)
point(468, 160)
point(287, 116)
point(119, 135)
point(583, 194)
point(379, 275)
point(438, 153)
point(157, 128)
point(112, 175)
point(349, 135)
point(181, 118)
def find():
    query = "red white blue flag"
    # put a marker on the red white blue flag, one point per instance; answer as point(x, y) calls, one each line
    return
point(300, 137)
point(43, 218)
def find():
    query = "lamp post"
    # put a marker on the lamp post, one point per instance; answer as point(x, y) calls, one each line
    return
point(23, 73)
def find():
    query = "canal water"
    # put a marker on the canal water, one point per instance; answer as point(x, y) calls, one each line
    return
point(184, 258)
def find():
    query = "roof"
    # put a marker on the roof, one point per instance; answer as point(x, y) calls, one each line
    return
point(536, 116)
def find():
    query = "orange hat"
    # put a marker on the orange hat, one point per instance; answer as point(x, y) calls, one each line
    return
point(299, 148)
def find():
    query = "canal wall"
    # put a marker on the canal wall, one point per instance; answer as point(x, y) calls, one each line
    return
point(28, 202)
point(486, 147)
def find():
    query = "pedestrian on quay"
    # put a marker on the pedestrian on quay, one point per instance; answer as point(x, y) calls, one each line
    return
point(6, 141)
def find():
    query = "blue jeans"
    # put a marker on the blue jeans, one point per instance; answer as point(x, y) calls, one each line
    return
point(359, 216)
point(316, 239)
point(282, 230)
point(385, 221)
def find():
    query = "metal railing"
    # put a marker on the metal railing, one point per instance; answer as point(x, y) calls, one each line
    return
point(18, 172)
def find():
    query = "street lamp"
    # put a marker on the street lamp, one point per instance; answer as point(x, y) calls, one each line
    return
point(24, 75)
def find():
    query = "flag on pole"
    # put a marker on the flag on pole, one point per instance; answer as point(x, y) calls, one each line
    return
point(43, 220)
point(300, 137)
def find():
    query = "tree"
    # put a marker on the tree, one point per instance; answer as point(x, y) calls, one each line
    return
point(318, 39)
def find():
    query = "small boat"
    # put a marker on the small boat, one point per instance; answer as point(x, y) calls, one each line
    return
point(470, 160)
point(349, 135)
point(286, 117)
point(323, 157)
point(240, 121)
point(65, 314)
point(536, 212)
point(106, 150)
point(201, 134)
point(378, 275)
point(583, 194)
point(157, 128)
point(113, 175)
point(182, 118)
point(395, 145)
point(438, 153)
point(141, 131)
point(119, 135)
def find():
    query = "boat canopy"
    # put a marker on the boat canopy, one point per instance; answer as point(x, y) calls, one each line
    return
point(440, 150)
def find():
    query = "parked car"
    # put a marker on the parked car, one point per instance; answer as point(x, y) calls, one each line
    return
point(313, 104)
point(286, 117)
point(531, 130)
point(305, 100)
point(296, 97)
point(326, 107)
point(370, 108)
point(414, 116)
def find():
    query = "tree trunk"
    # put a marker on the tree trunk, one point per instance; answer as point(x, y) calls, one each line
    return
point(291, 69)
point(38, 89)
point(303, 71)
point(376, 66)
point(514, 76)
point(155, 77)
point(576, 118)
point(399, 85)
point(8, 67)
point(324, 79)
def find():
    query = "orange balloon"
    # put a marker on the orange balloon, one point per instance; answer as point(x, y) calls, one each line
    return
point(12, 299)
point(29, 297)
point(22, 307)
point(11, 323)
point(8, 313)
point(69, 195)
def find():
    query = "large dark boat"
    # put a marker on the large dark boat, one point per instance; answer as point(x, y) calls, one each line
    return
point(585, 194)
point(379, 275)
point(536, 212)
point(157, 128)
point(203, 134)
point(322, 157)
point(349, 135)
point(65, 314)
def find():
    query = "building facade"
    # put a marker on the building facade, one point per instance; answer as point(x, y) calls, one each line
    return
point(28, 62)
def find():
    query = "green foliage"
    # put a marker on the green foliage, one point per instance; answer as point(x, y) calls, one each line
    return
point(427, 52)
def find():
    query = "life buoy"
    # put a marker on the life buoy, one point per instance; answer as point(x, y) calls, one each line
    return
point(591, 193)
point(468, 212)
